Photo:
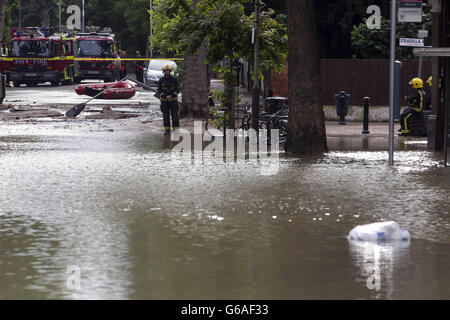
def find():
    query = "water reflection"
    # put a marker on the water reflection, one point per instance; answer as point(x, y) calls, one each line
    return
point(372, 143)
point(27, 246)
point(140, 225)
point(376, 262)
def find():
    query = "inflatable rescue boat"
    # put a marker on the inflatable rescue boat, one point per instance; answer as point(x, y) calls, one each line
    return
point(122, 90)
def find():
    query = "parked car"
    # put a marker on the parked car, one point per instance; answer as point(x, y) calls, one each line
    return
point(153, 72)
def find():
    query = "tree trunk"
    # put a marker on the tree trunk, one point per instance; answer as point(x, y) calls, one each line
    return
point(2, 17)
point(195, 84)
point(306, 131)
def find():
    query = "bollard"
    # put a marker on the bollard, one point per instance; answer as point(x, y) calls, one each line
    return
point(2, 87)
point(342, 101)
point(366, 115)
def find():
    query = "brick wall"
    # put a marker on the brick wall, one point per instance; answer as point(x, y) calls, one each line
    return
point(280, 83)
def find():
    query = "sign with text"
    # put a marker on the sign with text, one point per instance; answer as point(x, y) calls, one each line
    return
point(409, 11)
point(411, 42)
point(422, 33)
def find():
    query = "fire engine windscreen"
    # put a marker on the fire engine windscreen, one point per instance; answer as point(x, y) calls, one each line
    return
point(95, 48)
point(32, 48)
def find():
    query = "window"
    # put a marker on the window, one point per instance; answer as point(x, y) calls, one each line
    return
point(95, 48)
point(32, 48)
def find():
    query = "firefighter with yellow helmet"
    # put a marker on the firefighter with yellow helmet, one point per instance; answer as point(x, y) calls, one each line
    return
point(415, 104)
point(168, 89)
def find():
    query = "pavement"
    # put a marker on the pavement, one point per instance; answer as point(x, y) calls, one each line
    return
point(349, 137)
point(47, 95)
point(143, 109)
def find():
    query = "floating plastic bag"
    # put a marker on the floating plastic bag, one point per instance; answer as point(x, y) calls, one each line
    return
point(379, 231)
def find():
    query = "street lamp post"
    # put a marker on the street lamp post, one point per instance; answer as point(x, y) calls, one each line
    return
point(82, 13)
point(59, 6)
point(255, 90)
point(391, 82)
point(419, 73)
point(151, 29)
point(20, 15)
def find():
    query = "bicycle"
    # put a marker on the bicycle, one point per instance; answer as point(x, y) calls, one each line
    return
point(277, 120)
point(247, 111)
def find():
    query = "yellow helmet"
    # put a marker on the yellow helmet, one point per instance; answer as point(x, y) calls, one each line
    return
point(167, 67)
point(429, 81)
point(417, 83)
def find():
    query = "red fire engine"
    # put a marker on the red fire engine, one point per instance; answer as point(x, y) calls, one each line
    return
point(95, 47)
point(37, 55)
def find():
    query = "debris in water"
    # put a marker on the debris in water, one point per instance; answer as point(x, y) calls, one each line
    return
point(379, 231)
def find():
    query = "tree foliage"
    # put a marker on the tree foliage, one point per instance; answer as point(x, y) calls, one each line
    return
point(335, 20)
point(128, 19)
point(375, 43)
point(181, 27)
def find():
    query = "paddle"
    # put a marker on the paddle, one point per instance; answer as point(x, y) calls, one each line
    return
point(144, 85)
point(76, 110)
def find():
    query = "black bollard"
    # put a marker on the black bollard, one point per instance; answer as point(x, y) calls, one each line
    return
point(2, 87)
point(366, 115)
point(342, 100)
point(341, 107)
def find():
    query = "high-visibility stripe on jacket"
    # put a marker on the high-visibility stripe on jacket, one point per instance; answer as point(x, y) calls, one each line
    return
point(416, 100)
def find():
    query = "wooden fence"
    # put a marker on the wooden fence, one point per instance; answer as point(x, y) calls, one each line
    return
point(359, 78)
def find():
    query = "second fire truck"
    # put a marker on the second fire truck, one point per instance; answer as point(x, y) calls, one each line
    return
point(94, 50)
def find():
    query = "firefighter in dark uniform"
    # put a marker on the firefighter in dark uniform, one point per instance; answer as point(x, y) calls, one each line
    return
point(139, 67)
point(123, 66)
point(415, 102)
point(168, 89)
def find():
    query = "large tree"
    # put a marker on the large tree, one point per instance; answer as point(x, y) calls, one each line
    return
point(184, 31)
point(182, 28)
point(196, 83)
point(306, 131)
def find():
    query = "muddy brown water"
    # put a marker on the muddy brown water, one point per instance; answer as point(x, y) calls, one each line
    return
point(139, 225)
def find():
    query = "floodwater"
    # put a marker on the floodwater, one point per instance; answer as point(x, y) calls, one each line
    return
point(115, 211)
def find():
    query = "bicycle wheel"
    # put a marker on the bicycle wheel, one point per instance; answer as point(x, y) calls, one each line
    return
point(245, 123)
point(282, 124)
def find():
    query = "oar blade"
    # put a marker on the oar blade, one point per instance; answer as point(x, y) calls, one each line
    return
point(75, 110)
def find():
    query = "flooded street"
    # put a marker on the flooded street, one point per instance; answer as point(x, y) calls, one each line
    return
point(139, 225)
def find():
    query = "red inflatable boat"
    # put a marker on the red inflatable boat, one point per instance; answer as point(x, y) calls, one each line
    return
point(122, 90)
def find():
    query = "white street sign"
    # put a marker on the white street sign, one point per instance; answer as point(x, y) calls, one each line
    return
point(411, 42)
point(423, 33)
point(409, 11)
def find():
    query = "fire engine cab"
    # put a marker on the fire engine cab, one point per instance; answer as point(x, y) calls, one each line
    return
point(94, 49)
point(37, 55)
